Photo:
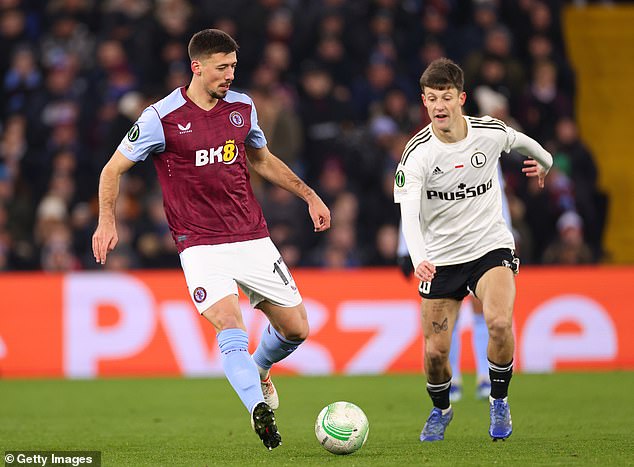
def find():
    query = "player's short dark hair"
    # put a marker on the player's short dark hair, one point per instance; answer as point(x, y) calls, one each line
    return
point(210, 41)
point(441, 74)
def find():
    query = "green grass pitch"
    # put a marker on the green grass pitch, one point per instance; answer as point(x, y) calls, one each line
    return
point(558, 419)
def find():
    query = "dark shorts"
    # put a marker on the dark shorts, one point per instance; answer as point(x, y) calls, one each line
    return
point(457, 280)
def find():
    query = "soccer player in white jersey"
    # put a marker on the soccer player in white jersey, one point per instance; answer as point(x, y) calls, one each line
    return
point(479, 334)
point(200, 138)
point(479, 331)
point(451, 210)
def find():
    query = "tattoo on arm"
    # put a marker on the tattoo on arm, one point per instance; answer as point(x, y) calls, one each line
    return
point(439, 327)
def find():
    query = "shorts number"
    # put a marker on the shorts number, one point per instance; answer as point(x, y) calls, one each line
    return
point(278, 270)
point(425, 287)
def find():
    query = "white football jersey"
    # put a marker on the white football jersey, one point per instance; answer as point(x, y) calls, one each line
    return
point(458, 189)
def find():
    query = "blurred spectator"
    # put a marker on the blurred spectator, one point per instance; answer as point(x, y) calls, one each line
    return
point(322, 115)
point(380, 78)
point(521, 230)
point(396, 106)
point(332, 182)
point(490, 84)
point(21, 80)
point(485, 18)
point(540, 215)
point(570, 246)
point(435, 27)
point(384, 253)
point(67, 37)
point(51, 214)
point(57, 252)
point(278, 119)
point(577, 162)
point(115, 77)
point(277, 55)
point(331, 55)
point(286, 218)
point(155, 245)
point(541, 49)
point(12, 34)
point(13, 144)
point(498, 44)
point(543, 104)
point(83, 223)
point(340, 249)
point(6, 185)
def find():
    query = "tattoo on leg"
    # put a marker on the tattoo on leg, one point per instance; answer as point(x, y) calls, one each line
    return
point(440, 327)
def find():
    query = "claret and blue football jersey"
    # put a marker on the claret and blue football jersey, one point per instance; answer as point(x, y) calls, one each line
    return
point(200, 159)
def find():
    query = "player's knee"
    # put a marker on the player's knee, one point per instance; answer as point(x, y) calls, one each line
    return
point(500, 327)
point(224, 317)
point(228, 322)
point(297, 333)
point(437, 356)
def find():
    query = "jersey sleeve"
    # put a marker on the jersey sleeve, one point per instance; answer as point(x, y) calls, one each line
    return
point(255, 138)
point(408, 180)
point(145, 137)
point(511, 135)
point(508, 136)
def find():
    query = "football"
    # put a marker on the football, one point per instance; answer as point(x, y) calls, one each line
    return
point(342, 428)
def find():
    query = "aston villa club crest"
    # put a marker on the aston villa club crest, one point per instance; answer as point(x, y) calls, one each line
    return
point(236, 119)
point(200, 294)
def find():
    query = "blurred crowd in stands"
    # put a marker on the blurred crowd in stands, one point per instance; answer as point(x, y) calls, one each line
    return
point(335, 83)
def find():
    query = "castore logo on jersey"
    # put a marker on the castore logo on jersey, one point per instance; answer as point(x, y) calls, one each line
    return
point(185, 129)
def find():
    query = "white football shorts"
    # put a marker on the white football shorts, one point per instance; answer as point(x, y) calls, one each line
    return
point(213, 272)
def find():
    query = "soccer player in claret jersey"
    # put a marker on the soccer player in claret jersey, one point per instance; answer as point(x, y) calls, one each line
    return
point(200, 138)
point(451, 210)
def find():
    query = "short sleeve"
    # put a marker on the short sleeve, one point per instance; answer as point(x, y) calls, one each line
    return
point(511, 135)
point(145, 137)
point(408, 181)
point(508, 135)
point(255, 138)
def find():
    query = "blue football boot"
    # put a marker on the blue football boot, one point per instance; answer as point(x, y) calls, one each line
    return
point(434, 429)
point(501, 424)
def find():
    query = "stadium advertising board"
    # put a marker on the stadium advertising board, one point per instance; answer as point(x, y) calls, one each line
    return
point(86, 325)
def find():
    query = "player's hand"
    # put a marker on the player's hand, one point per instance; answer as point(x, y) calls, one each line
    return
point(319, 213)
point(534, 169)
point(405, 265)
point(103, 241)
point(425, 271)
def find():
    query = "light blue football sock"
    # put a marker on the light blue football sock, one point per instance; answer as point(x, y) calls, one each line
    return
point(273, 347)
point(239, 367)
point(480, 343)
point(454, 355)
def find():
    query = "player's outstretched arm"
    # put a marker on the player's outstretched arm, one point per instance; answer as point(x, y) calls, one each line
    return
point(541, 160)
point(275, 171)
point(105, 237)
